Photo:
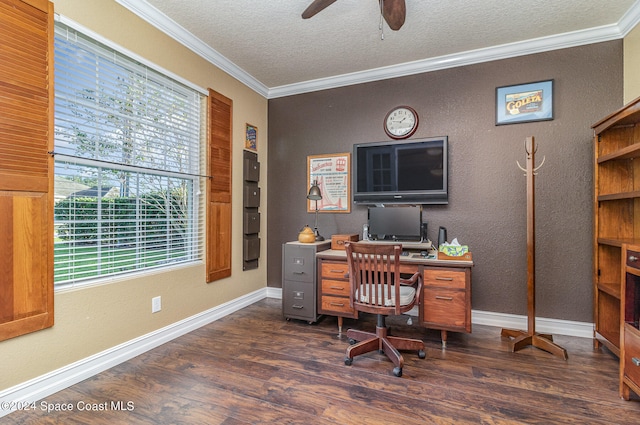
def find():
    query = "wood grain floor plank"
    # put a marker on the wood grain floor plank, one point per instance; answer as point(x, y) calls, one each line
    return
point(254, 367)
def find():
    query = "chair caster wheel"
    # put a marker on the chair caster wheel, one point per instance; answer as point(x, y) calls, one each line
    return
point(352, 341)
point(397, 371)
point(422, 354)
point(348, 361)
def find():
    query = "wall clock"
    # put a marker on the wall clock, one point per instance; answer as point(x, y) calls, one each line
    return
point(401, 122)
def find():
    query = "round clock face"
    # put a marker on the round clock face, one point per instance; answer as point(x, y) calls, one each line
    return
point(401, 122)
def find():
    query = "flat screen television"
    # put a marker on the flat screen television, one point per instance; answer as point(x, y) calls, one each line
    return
point(395, 224)
point(401, 172)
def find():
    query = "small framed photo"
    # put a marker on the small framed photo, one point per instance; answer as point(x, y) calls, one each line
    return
point(524, 103)
point(251, 138)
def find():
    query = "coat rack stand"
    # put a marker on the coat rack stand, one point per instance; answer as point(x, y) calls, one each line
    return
point(523, 339)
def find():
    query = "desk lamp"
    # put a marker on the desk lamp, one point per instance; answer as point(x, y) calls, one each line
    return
point(315, 195)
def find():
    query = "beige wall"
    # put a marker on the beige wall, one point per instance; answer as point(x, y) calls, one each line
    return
point(632, 65)
point(90, 320)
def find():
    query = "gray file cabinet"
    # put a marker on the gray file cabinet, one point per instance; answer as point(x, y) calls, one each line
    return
point(299, 291)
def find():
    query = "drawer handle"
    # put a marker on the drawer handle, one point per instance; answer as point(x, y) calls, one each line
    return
point(339, 288)
point(440, 297)
point(335, 271)
point(297, 306)
point(444, 278)
point(635, 361)
point(298, 272)
point(633, 258)
point(337, 304)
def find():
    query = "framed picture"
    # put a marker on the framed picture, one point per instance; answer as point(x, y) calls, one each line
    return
point(332, 174)
point(251, 138)
point(524, 103)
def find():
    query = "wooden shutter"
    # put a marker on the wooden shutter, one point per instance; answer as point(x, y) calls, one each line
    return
point(220, 112)
point(26, 168)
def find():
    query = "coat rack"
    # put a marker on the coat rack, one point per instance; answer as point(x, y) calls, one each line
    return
point(523, 339)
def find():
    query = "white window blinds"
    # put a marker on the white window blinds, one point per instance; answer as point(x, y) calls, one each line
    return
point(127, 160)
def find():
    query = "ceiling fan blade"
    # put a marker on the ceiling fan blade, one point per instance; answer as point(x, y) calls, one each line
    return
point(394, 12)
point(317, 6)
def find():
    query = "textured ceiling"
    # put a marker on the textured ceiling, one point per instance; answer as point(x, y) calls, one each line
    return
point(272, 43)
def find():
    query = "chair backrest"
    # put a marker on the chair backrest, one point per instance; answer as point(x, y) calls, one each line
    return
point(374, 275)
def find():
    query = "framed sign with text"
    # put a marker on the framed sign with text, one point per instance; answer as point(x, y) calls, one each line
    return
point(332, 174)
point(524, 103)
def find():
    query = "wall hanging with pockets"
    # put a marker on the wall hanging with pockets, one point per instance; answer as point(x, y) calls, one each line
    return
point(251, 214)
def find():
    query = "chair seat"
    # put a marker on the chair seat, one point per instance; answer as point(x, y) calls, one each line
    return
point(407, 295)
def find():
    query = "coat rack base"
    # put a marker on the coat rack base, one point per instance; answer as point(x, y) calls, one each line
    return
point(544, 342)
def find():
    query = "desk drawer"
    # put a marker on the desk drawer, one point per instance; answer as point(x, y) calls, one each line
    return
point(335, 270)
point(336, 287)
point(445, 278)
point(336, 305)
point(444, 307)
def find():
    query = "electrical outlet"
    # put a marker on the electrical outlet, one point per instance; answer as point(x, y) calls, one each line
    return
point(156, 304)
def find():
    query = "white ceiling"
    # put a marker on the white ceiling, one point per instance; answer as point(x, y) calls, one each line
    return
point(268, 46)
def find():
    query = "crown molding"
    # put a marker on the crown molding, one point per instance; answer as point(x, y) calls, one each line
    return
point(505, 51)
point(162, 22)
point(544, 44)
point(630, 19)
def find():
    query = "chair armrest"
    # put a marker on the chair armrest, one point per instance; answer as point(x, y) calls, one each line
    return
point(412, 280)
point(417, 276)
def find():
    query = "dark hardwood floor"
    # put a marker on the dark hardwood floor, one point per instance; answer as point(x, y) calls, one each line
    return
point(253, 367)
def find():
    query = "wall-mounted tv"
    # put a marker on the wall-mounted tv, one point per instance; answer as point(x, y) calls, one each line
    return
point(401, 172)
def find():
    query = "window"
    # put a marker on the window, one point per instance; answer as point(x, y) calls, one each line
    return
point(127, 163)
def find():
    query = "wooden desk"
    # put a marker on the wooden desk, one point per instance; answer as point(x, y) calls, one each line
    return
point(445, 301)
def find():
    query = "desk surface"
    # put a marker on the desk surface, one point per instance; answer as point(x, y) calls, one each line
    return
point(412, 258)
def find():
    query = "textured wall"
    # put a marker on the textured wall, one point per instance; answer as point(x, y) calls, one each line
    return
point(487, 202)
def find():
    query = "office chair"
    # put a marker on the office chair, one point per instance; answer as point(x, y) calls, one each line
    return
point(376, 287)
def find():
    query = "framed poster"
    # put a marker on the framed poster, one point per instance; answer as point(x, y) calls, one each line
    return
point(251, 138)
point(332, 174)
point(524, 103)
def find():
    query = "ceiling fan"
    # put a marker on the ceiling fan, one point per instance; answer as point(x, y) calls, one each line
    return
point(393, 11)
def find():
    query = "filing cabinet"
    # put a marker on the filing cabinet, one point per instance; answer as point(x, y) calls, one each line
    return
point(299, 282)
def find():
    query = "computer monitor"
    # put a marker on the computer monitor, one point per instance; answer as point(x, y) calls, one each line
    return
point(398, 223)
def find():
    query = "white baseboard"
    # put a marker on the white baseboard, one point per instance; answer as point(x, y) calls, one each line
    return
point(39, 388)
point(543, 325)
point(510, 321)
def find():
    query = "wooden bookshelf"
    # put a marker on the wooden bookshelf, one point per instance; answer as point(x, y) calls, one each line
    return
point(616, 214)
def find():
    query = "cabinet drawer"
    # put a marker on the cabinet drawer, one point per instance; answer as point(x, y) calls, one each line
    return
point(298, 300)
point(332, 304)
point(299, 263)
point(444, 307)
point(336, 287)
point(335, 270)
point(633, 259)
point(631, 351)
point(447, 278)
